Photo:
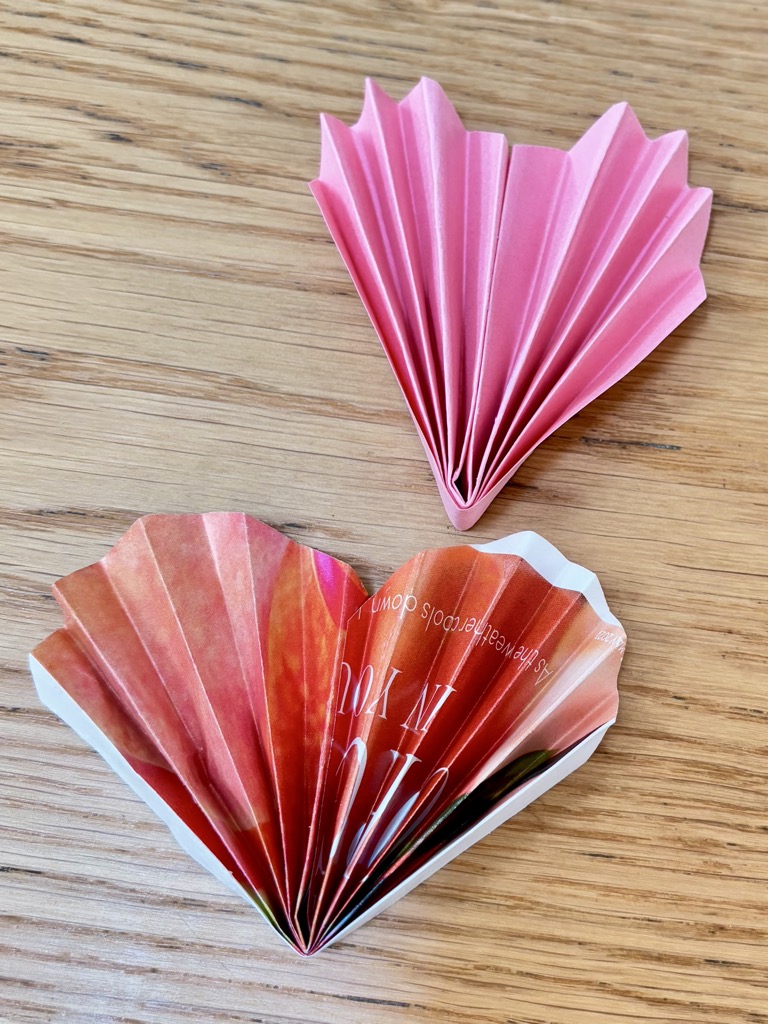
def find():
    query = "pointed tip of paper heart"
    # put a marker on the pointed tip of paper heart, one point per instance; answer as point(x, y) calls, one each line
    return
point(462, 519)
point(462, 516)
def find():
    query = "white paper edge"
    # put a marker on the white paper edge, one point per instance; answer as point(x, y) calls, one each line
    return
point(507, 809)
point(552, 564)
point(56, 698)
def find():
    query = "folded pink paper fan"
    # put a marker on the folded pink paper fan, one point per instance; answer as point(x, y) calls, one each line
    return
point(319, 751)
point(509, 287)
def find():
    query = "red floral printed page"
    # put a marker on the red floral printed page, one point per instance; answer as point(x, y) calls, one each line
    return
point(319, 744)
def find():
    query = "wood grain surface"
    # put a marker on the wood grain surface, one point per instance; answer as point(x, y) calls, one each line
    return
point(179, 334)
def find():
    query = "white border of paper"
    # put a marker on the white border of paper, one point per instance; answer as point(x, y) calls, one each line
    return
point(552, 564)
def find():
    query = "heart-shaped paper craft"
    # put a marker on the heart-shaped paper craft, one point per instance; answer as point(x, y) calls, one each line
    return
point(509, 288)
point(318, 750)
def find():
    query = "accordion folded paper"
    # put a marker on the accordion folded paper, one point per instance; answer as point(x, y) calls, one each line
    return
point(319, 750)
point(509, 288)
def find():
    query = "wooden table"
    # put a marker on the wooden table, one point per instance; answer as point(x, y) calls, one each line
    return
point(178, 333)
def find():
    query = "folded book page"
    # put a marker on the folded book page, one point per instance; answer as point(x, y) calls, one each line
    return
point(319, 750)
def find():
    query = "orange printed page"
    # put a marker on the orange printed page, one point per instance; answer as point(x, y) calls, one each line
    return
point(317, 741)
point(216, 640)
point(462, 662)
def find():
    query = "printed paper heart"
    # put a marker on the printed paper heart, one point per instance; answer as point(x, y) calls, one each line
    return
point(318, 750)
point(509, 288)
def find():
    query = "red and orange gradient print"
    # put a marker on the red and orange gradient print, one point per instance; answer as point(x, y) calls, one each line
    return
point(318, 741)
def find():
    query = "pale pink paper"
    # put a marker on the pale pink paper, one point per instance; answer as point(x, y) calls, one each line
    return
point(509, 288)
